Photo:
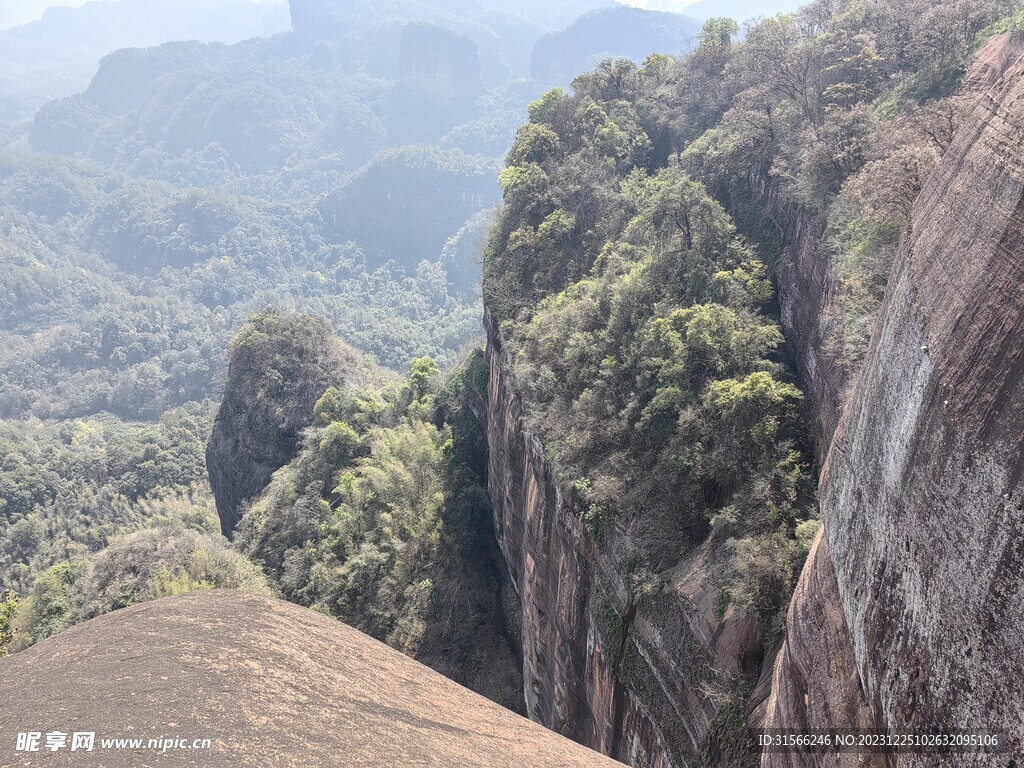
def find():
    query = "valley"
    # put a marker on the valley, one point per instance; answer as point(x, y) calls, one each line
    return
point(657, 379)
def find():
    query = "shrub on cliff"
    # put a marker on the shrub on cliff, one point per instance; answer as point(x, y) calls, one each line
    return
point(382, 520)
point(281, 365)
point(635, 316)
point(8, 610)
point(629, 271)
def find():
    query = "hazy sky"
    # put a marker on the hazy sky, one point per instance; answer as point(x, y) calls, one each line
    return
point(661, 5)
point(14, 12)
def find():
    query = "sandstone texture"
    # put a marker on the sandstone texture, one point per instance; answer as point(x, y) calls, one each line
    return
point(921, 490)
point(271, 684)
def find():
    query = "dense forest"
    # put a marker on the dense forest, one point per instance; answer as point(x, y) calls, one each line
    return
point(630, 271)
point(380, 514)
point(353, 179)
point(345, 169)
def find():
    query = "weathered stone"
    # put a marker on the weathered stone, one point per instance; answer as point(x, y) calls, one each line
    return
point(268, 682)
point(922, 485)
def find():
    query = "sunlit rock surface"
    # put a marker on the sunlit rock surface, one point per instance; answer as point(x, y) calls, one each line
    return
point(271, 684)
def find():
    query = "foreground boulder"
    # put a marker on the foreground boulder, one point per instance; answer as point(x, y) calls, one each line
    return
point(269, 683)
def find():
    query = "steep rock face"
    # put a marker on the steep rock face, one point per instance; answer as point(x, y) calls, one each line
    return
point(814, 682)
point(812, 320)
point(809, 285)
point(921, 488)
point(439, 65)
point(269, 683)
point(633, 687)
point(280, 366)
point(922, 495)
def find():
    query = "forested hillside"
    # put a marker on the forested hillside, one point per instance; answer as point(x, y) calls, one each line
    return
point(241, 293)
point(637, 361)
point(380, 517)
point(191, 185)
point(638, 337)
point(344, 169)
point(630, 273)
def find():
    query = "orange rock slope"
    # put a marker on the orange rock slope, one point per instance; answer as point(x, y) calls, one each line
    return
point(271, 684)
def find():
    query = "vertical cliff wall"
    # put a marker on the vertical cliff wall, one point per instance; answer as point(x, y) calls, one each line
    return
point(918, 582)
point(439, 65)
point(640, 678)
point(812, 319)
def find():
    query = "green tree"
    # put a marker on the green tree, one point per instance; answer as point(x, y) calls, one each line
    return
point(422, 372)
point(338, 445)
point(329, 407)
point(8, 610)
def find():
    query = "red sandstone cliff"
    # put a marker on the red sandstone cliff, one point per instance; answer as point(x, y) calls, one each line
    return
point(908, 613)
point(643, 688)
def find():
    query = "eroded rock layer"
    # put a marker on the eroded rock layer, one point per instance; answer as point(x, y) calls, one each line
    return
point(922, 489)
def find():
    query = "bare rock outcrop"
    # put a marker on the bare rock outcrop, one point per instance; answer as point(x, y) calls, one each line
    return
point(922, 487)
point(269, 683)
point(281, 364)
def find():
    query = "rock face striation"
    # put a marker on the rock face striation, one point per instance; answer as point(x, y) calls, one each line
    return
point(268, 682)
point(626, 675)
point(908, 614)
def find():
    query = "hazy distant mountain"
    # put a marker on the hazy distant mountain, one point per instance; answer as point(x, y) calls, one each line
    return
point(59, 53)
point(740, 10)
point(15, 12)
point(616, 32)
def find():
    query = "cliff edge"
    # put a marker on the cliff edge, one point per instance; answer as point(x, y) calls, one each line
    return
point(922, 489)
